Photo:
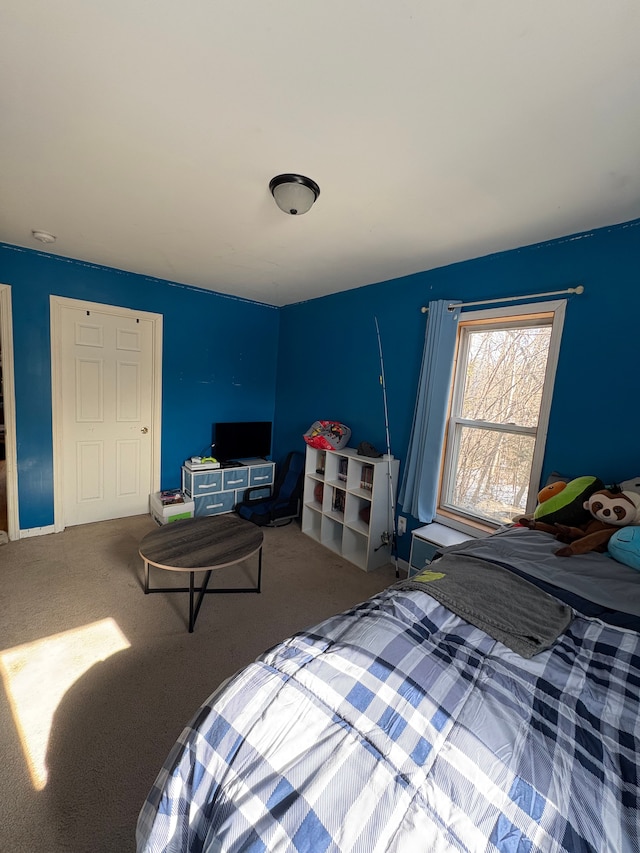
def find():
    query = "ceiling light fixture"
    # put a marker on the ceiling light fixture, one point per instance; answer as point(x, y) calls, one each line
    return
point(294, 194)
point(44, 236)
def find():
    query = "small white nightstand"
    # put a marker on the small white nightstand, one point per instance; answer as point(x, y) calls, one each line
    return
point(425, 541)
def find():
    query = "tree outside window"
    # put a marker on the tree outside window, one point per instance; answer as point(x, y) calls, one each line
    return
point(499, 409)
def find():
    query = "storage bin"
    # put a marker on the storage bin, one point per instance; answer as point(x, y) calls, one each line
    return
point(170, 512)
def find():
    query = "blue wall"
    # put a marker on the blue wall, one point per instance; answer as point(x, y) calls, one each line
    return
point(226, 358)
point(329, 365)
point(219, 361)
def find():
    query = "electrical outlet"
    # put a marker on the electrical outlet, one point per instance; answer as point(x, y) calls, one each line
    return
point(402, 525)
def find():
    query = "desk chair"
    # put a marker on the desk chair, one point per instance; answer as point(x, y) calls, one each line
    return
point(277, 506)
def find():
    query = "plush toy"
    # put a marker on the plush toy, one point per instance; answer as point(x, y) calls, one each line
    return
point(624, 546)
point(327, 435)
point(608, 509)
point(551, 491)
point(563, 503)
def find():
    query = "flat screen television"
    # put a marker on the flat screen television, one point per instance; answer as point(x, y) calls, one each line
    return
point(241, 440)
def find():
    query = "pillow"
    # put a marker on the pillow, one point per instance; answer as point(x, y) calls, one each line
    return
point(624, 546)
point(632, 485)
point(566, 506)
point(555, 477)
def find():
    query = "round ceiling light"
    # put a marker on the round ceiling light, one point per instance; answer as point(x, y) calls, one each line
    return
point(43, 236)
point(294, 194)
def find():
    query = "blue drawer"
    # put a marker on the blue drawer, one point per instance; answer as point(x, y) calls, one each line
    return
point(235, 478)
point(257, 493)
point(206, 481)
point(261, 475)
point(214, 503)
point(422, 553)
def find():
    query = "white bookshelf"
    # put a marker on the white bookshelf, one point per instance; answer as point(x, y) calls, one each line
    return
point(348, 506)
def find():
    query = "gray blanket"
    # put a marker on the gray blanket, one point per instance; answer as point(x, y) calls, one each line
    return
point(597, 577)
point(504, 605)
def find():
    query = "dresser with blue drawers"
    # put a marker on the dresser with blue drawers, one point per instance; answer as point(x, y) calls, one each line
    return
point(220, 489)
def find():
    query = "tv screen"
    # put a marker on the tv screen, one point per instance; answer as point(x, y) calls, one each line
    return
point(241, 440)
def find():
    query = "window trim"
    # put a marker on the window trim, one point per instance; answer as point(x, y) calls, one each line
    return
point(492, 316)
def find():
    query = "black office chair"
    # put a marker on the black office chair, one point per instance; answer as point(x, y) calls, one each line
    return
point(277, 506)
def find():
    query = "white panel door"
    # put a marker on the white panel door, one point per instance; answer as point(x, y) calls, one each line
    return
point(106, 379)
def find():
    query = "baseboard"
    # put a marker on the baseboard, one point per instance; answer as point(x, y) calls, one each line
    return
point(37, 531)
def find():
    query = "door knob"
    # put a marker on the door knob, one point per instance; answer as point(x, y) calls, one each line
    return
point(144, 430)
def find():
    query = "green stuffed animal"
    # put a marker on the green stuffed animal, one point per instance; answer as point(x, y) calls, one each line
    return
point(564, 503)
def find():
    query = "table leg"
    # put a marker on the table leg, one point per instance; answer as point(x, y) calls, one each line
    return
point(146, 577)
point(191, 616)
point(203, 589)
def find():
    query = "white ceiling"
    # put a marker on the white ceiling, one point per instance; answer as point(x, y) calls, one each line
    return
point(144, 133)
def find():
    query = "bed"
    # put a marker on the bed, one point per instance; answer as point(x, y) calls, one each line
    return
point(399, 725)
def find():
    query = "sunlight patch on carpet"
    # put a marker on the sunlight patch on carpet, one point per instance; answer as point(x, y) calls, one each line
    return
point(37, 675)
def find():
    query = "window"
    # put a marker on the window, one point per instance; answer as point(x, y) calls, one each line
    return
point(501, 396)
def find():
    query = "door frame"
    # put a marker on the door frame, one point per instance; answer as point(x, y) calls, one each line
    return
point(57, 304)
point(8, 381)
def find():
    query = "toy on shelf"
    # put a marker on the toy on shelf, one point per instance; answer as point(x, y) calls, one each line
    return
point(327, 435)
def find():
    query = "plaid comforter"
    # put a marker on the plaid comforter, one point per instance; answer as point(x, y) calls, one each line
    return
point(399, 727)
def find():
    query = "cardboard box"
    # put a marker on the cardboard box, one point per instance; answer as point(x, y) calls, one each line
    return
point(170, 512)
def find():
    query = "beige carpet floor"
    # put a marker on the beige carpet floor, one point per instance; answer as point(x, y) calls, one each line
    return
point(107, 677)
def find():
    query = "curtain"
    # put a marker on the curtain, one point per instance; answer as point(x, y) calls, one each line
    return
point(419, 488)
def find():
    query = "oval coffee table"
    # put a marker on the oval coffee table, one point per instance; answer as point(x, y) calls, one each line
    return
point(201, 545)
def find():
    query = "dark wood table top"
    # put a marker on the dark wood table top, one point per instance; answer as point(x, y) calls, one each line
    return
point(198, 544)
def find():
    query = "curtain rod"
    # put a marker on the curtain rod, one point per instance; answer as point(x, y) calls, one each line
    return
point(578, 289)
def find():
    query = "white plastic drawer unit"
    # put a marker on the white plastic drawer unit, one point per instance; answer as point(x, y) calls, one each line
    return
point(220, 489)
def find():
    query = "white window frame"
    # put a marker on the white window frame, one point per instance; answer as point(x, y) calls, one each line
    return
point(467, 523)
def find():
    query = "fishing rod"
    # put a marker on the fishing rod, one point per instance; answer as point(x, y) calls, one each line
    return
point(392, 503)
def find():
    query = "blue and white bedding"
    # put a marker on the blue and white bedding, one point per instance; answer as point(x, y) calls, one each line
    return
point(398, 726)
